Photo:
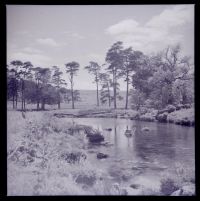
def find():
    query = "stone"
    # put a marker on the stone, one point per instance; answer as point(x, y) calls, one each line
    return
point(145, 129)
point(177, 193)
point(101, 156)
point(135, 186)
point(108, 129)
point(131, 191)
point(95, 138)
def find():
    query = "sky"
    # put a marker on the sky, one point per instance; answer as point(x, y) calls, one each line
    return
point(55, 35)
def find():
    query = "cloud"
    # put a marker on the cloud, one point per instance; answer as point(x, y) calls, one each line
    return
point(125, 26)
point(73, 34)
point(31, 50)
point(176, 16)
point(35, 59)
point(48, 41)
point(78, 36)
point(161, 30)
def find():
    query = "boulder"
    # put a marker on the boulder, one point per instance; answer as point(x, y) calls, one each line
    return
point(187, 190)
point(145, 129)
point(135, 186)
point(95, 138)
point(108, 129)
point(130, 191)
point(101, 156)
point(177, 193)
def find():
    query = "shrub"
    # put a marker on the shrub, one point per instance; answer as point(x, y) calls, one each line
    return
point(73, 157)
point(162, 117)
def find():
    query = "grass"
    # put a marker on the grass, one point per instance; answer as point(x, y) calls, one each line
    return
point(45, 139)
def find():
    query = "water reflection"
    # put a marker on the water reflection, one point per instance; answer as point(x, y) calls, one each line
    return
point(163, 143)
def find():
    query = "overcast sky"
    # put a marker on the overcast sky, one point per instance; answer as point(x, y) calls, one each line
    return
point(56, 35)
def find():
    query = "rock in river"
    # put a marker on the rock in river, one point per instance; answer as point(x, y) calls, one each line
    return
point(108, 129)
point(145, 129)
point(101, 156)
point(95, 138)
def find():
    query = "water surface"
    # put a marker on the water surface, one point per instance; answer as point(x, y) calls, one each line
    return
point(147, 154)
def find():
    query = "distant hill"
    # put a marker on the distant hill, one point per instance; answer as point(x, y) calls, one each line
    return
point(88, 98)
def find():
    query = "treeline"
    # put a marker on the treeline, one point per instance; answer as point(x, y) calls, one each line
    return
point(38, 85)
point(155, 81)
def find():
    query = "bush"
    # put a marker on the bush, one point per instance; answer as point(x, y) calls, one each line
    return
point(162, 117)
point(186, 106)
point(143, 110)
point(73, 157)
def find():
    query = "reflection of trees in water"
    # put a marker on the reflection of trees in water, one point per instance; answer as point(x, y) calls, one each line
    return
point(122, 144)
point(115, 140)
point(150, 145)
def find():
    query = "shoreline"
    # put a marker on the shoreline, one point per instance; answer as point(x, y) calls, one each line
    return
point(184, 120)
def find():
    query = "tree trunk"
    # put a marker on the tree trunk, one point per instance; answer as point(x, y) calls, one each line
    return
point(16, 100)
point(97, 95)
point(13, 101)
point(24, 104)
point(22, 98)
point(43, 104)
point(72, 93)
point(115, 101)
point(59, 99)
point(37, 92)
point(38, 105)
point(109, 101)
point(114, 90)
point(126, 106)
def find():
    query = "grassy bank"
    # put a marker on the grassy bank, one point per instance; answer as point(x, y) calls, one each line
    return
point(184, 116)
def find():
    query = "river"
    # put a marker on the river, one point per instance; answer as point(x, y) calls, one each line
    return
point(147, 155)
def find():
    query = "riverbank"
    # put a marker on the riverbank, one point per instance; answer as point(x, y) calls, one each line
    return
point(183, 116)
point(50, 156)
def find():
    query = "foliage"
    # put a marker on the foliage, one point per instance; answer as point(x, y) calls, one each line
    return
point(115, 60)
point(94, 69)
point(165, 78)
point(137, 99)
point(71, 69)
